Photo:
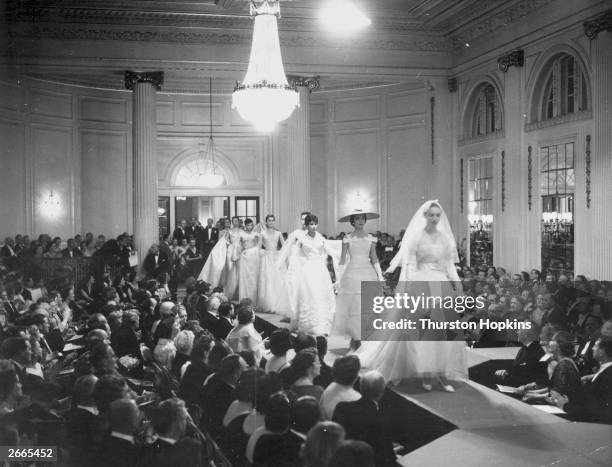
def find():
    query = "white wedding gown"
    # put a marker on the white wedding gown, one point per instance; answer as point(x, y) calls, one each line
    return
point(273, 291)
point(430, 268)
point(315, 296)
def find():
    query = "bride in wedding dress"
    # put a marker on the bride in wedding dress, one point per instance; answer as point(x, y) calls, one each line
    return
point(427, 257)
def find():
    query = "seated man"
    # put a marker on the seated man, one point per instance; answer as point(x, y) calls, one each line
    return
point(345, 372)
point(172, 447)
point(364, 420)
point(595, 404)
point(526, 366)
point(119, 448)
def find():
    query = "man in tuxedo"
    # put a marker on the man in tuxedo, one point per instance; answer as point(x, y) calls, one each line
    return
point(208, 239)
point(225, 322)
point(71, 250)
point(81, 421)
point(172, 447)
point(8, 250)
point(526, 367)
point(117, 248)
point(552, 313)
point(364, 420)
point(194, 229)
point(584, 356)
point(180, 232)
point(156, 262)
point(595, 404)
point(119, 448)
point(206, 312)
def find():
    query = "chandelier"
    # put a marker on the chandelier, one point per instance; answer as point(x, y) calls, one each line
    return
point(342, 17)
point(207, 174)
point(265, 97)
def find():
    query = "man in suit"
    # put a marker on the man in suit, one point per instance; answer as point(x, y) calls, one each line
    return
point(588, 336)
point(225, 322)
point(364, 420)
point(193, 259)
point(208, 239)
point(595, 404)
point(82, 420)
point(71, 250)
point(172, 448)
point(180, 232)
point(156, 262)
point(124, 340)
point(526, 367)
point(206, 312)
point(119, 448)
point(8, 250)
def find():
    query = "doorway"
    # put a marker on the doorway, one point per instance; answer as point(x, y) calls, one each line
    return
point(201, 208)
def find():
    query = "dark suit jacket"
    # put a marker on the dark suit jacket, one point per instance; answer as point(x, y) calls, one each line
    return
point(205, 243)
point(595, 403)
point(208, 321)
point(118, 452)
point(192, 383)
point(278, 450)
point(6, 253)
point(526, 367)
point(76, 253)
point(363, 421)
point(80, 427)
point(555, 316)
point(125, 342)
point(215, 399)
point(163, 264)
point(186, 452)
point(179, 234)
point(222, 328)
point(584, 358)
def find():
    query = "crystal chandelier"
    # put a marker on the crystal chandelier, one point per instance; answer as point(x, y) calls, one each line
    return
point(265, 97)
point(207, 174)
point(342, 17)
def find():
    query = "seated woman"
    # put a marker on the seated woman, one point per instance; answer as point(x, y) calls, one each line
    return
point(244, 336)
point(281, 342)
point(563, 373)
point(306, 367)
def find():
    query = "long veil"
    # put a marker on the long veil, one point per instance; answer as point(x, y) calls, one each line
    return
point(414, 229)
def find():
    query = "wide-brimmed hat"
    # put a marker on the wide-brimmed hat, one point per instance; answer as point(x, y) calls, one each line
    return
point(359, 212)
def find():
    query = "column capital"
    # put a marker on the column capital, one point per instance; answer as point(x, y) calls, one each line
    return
point(598, 24)
point(156, 78)
point(514, 58)
point(311, 82)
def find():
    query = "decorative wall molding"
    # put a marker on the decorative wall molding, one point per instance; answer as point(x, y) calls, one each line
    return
point(515, 58)
point(529, 176)
point(307, 82)
point(499, 134)
point(461, 185)
point(156, 78)
point(587, 169)
point(598, 24)
point(432, 104)
point(503, 181)
point(560, 120)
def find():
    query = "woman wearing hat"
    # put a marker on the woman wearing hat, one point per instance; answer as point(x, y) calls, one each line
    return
point(359, 247)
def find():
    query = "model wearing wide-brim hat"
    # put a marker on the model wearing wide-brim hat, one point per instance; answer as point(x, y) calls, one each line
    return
point(359, 212)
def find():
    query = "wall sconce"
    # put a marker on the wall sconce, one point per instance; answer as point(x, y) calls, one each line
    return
point(51, 206)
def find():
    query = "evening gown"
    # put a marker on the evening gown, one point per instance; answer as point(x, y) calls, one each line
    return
point(316, 301)
point(347, 320)
point(428, 270)
point(230, 279)
point(273, 291)
point(248, 266)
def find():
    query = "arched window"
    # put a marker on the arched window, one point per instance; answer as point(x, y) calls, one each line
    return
point(487, 112)
point(564, 89)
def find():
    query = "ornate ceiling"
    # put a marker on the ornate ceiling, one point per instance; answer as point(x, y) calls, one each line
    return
point(93, 41)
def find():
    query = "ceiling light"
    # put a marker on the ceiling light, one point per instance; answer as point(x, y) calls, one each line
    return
point(265, 98)
point(343, 17)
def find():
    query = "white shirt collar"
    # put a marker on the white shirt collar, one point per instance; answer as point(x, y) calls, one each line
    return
point(123, 436)
point(92, 410)
point(167, 440)
point(602, 368)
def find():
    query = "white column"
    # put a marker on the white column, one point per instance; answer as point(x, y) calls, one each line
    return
point(144, 192)
point(298, 158)
point(598, 264)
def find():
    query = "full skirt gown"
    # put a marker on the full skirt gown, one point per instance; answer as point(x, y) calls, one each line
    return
point(248, 274)
point(315, 298)
point(273, 290)
point(405, 359)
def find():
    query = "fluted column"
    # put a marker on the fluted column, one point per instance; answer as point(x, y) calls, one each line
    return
point(598, 227)
point(144, 192)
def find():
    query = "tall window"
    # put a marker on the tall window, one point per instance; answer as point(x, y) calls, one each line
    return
point(565, 89)
point(247, 206)
point(487, 115)
point(480, 215)
point(163, 215)
point(558, 188)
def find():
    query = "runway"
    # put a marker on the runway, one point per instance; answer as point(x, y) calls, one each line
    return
point(478, 426)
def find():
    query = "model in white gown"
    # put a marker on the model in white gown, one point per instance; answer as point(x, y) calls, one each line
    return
point(214, 270)
point(230, 280)
point(316, 301)
point(273, 292)
point(248, 263)
point(427, 256)
point(359, 250)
